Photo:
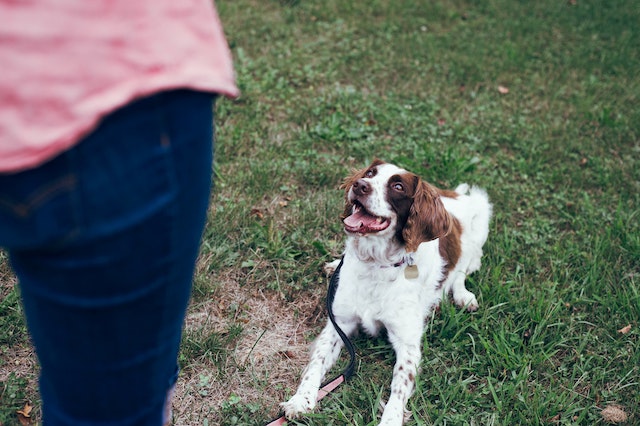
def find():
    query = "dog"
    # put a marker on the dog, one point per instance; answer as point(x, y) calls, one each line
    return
point(408, 244)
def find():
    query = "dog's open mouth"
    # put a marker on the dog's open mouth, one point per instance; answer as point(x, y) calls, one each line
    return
point(362, 222)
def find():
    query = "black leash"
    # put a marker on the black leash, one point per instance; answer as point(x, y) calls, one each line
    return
point(331, 294)
point(349, 370)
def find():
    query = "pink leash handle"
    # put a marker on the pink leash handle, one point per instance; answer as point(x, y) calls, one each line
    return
point(322, 392)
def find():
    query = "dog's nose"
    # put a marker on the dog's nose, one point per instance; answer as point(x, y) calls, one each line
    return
point(361, 187)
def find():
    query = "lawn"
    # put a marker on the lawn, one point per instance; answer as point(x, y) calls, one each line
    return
point(538, 102)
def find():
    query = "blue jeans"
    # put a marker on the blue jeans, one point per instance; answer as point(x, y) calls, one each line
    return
point(104, 239)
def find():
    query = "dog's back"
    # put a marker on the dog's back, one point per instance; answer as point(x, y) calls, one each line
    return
point(473, 209)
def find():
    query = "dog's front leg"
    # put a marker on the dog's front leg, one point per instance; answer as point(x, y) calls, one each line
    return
point(325, 352)
point(408, 354)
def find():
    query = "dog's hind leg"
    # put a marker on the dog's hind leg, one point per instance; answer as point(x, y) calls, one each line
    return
point(324, 354)
point(461, 296)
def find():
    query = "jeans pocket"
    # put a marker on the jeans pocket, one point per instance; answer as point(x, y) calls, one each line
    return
point(39, 207)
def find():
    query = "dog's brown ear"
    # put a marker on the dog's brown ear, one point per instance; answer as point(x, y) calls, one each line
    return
point(428, 219)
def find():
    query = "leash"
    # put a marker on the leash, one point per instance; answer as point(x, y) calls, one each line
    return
point(349, 370)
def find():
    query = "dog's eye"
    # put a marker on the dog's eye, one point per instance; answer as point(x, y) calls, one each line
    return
point(398, 186)
point(369, 173)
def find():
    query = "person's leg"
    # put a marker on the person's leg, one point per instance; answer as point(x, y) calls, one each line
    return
point(105, 258)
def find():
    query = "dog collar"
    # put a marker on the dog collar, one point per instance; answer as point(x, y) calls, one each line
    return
point(406, 259)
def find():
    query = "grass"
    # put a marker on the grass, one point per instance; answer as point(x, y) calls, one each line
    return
point(328, 86)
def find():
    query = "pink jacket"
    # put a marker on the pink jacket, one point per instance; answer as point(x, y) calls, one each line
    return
point(64, 64)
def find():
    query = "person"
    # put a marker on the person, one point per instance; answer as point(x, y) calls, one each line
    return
point(106, 150)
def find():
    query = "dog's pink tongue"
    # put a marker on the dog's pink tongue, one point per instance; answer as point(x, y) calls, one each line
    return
point(359, 219)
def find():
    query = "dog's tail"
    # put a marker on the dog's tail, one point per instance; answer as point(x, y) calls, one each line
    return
point(462, 189)
point(481, 207)
point(483, 210)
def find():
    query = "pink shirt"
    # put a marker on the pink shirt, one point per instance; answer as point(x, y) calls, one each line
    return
point(64, 64)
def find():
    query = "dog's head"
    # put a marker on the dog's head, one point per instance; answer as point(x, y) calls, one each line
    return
point(390, 202)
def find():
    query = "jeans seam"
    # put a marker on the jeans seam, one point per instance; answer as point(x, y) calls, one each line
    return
point(22, 210)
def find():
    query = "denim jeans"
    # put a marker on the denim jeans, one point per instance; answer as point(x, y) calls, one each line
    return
point(103, 240)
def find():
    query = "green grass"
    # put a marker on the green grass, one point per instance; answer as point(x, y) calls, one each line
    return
point(330, 85)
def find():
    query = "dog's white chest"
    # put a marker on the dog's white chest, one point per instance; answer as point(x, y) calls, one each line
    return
point(374, 297)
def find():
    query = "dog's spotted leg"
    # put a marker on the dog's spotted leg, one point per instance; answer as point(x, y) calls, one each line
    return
point(408, 356)
point(325, 352)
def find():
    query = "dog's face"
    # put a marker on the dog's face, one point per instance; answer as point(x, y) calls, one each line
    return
point(391, 202)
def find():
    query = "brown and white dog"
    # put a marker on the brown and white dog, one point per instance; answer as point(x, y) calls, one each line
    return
point(408, 244)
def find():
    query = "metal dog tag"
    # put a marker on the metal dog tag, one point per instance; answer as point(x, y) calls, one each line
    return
point(411, 272)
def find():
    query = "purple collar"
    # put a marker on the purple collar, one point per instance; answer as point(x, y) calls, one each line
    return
point(407, 258)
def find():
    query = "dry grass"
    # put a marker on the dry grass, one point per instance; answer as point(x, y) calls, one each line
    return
point(18, 362)
point(267, 358)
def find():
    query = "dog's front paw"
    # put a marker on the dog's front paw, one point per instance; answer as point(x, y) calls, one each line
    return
point(466, 299)
point(298, 404)
point(393, 417)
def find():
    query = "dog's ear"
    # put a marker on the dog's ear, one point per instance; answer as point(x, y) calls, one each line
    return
point(428, 219)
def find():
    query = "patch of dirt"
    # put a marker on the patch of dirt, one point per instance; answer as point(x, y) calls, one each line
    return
point(18, 359)
point(614, 414)
point(268, 358)
point(22, 362)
